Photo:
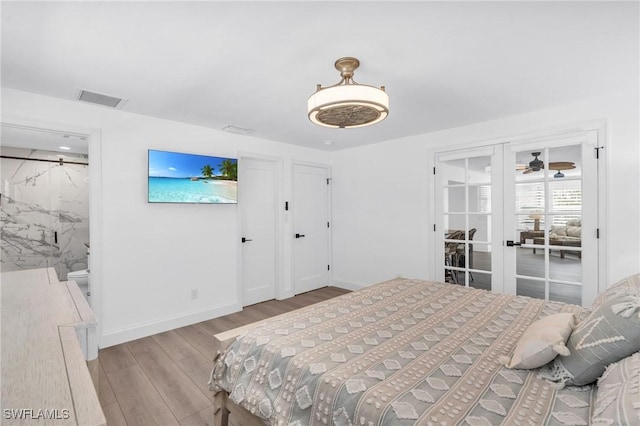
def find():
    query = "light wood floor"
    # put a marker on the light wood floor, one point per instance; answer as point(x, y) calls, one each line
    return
point(162, 379)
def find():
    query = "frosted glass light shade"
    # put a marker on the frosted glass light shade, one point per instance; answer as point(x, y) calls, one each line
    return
point(348, 106)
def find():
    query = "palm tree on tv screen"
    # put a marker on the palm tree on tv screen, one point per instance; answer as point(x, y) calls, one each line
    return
point(229, 169)
point(207, 171)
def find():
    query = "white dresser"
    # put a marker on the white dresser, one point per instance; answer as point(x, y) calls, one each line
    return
point(48, 334)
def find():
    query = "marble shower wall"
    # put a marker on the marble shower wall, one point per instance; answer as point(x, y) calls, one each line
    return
point(40, 199)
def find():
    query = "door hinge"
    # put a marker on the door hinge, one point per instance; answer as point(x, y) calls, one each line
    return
point(434, 170)
point(434, 227)
point(597, 232)
point(598, 148)
point(286, 206)
point(328, 180)
point(327, 224)
point(328, 267)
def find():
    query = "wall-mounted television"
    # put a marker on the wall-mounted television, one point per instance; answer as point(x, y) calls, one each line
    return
point(176, 177)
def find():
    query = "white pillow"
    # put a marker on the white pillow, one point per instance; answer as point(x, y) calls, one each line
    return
point(541, 342)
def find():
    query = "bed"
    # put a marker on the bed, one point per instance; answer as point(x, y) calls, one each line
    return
point(401, 352)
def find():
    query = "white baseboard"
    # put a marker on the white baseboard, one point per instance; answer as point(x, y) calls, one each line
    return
point(127, 334)
point(348, 286)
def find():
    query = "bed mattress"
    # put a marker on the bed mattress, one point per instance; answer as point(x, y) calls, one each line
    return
point(400, 352)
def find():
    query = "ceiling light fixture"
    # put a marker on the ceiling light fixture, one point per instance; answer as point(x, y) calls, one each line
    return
point(66, 148)
point(348, 104)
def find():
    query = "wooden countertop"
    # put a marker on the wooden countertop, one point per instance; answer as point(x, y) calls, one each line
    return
point(45, 379)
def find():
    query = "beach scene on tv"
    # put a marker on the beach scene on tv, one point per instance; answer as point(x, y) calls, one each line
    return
point(189, 178)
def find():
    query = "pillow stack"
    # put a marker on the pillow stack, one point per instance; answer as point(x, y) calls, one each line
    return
point(609, 334)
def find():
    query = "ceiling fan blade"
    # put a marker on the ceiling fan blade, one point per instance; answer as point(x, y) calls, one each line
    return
point(562, 165)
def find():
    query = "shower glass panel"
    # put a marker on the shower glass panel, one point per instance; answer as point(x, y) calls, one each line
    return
point(44, 210)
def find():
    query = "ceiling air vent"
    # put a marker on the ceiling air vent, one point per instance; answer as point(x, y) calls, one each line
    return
point(238, 130)
point(100, 99)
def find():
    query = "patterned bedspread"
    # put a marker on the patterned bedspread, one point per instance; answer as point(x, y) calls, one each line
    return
point(398, 353)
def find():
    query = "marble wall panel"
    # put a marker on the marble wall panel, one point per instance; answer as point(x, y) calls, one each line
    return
point(44, 211)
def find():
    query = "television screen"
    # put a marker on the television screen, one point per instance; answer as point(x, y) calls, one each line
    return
point(176, 177)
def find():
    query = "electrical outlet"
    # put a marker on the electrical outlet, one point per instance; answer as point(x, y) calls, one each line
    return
point(194, 293)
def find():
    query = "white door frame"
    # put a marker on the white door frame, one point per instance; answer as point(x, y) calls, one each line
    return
point(596, 129)
point(279, 223)
point(289, 236)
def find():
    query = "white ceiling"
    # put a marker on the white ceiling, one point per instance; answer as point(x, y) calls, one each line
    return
point(254, 64)
point(23, 137)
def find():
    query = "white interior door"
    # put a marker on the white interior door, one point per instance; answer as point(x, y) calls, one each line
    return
point(469, 218)
point(551, 218)
point(311, 227)
point(259, 245)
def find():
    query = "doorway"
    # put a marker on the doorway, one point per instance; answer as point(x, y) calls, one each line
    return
point(522, 217)
point(311, 225)
point(44, 202)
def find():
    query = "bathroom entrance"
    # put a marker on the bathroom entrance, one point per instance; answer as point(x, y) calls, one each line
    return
point(44, 200)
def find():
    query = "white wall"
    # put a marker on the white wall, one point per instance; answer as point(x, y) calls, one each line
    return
point(382, 194)
point(151, 255)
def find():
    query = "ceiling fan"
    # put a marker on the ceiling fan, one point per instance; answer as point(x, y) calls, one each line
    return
point(536, 165)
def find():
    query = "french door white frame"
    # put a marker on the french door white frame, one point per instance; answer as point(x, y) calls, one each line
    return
point(596, 133)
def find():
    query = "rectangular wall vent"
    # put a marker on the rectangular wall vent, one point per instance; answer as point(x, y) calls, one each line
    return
point(100, 99)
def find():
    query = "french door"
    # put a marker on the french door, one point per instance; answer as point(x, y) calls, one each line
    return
point(468, 218)
point(521, 217)
point(551, 220)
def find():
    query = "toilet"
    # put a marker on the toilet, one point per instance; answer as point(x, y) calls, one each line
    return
point(81, 278)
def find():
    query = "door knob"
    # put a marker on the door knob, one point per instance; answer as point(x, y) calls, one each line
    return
point(299, 235)
point(512, 244)
point(244, 240)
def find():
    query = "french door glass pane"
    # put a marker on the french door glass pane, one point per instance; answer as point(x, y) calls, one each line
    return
point(530, 288)
point(567, 293)
point(454, 199)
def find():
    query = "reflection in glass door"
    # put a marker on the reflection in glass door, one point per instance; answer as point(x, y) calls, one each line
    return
point(464, 204)
point(548, 222)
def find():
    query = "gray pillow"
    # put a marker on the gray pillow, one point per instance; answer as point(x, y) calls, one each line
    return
point(610, 333)
point(618, 396)
point(621, 288)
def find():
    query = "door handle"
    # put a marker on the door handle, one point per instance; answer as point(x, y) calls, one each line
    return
point(244, 240)
point(512, 244)
point(299, 235)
